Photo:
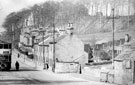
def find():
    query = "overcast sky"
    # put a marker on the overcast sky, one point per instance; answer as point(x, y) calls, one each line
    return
point(8, 6)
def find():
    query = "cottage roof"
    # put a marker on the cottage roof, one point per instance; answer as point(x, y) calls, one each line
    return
point(41, 38)
point(123, 56)
point(106, 40)
point(103, 41)
point(60, 38)
point(27, 49)
point(3, 42)
point(50, 39)
point(126, 54)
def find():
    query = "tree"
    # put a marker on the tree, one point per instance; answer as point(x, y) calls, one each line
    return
point(60, 13)
point(13, 24)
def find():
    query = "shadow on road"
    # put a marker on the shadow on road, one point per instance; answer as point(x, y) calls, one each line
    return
point(24, 70)
point(34, 81)
point(13, 70)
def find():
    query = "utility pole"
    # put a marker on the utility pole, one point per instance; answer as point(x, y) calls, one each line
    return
point(12, 27)
point(128, 13)
point(113, 28)
point(43, 50)
point(113, 39)
point(54, 48)
point(43, 34)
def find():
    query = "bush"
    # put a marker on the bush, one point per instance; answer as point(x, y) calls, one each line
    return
point(104, 55)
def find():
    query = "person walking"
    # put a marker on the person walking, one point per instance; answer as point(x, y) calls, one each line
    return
point(47, 66)
point(80, 69)
point(17, 65)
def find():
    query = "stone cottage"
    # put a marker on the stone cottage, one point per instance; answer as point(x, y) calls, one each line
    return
point(68, 48)
point(125, 67)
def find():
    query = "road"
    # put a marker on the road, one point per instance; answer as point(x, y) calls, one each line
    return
point(32, 77)
point(27, 76)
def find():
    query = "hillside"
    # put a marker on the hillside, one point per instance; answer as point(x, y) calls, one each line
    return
point(62, 13)
point(95, 24)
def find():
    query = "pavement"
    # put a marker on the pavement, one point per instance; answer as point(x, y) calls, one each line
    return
point(90, 74)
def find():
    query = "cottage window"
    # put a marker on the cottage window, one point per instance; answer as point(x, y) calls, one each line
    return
point(128, 64)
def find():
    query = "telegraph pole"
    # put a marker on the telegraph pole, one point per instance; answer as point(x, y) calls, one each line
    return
point(128, 13)
point(54, 48)
point(113, 25)
point(12, 26)
point(43, 49)
point(43, 34)
point(113, 28)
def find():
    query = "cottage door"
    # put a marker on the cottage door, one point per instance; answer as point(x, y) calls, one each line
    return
point(134, 72)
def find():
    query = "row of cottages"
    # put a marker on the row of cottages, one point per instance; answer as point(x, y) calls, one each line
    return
point(107, 45)
point(68, 48)
point(28, 35)
point(28, 26)
point(104, 48)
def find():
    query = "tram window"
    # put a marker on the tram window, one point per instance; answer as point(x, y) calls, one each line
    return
point(9, 46)
point(5, 57)
point(1, 55)
point(1, 46)
point(6, 46)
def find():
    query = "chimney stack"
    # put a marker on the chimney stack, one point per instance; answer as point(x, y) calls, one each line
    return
point(70, 29)
point(127, 38)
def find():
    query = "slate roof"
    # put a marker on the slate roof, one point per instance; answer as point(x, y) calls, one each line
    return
point(28, 49)
point(3, 42)
point(41, 38)
point(126, 54)
point(50, 39)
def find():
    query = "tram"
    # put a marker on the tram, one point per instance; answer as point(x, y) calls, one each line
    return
point(5, 55)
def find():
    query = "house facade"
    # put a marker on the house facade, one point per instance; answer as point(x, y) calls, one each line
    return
point(30, 34)
point(124, 67)
point(68, 48)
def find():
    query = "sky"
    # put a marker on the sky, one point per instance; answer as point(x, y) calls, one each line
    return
point(8, 6)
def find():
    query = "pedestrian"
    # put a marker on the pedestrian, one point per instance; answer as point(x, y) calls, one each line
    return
point(47, 66)
point(17, 65)
point(80, 70)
